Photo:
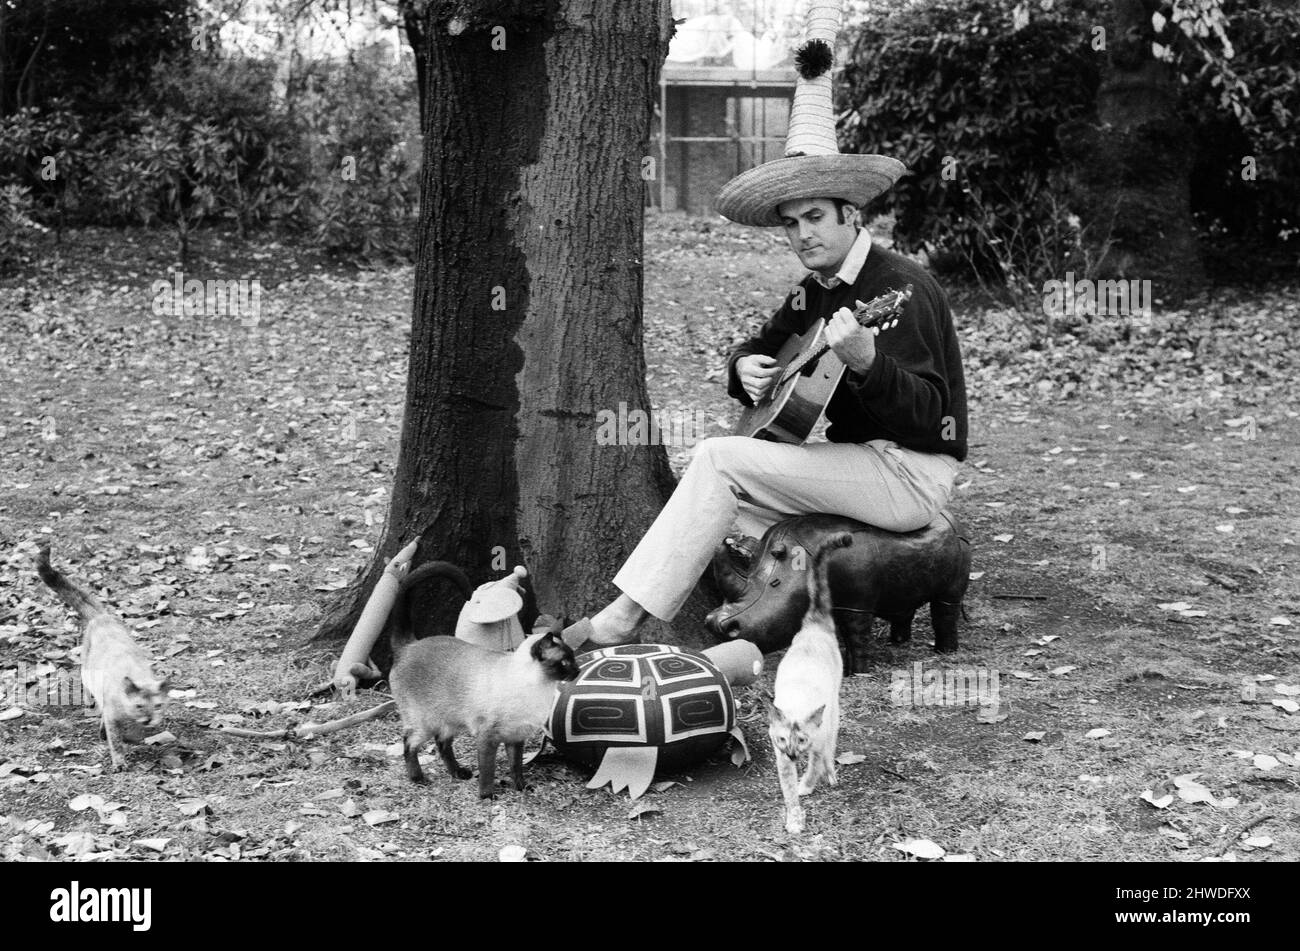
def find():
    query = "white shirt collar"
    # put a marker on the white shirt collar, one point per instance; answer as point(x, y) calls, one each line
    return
point(851, 265)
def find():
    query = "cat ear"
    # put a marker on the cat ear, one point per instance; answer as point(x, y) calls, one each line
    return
point(815, 718)
point(769, 704)
point(129, 685)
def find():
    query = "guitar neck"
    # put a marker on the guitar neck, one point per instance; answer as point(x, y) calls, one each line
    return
point(868, 315)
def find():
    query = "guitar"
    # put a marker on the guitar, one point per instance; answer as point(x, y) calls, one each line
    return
point(810, 372)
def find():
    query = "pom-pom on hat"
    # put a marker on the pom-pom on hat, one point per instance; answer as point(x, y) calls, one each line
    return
point(813, 166)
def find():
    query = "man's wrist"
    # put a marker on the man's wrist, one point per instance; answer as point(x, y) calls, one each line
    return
point(861, 369)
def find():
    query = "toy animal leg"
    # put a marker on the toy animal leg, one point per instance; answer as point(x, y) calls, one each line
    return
point(487, 767)
point(900, 628)
point(943, 618)
point(449, 759)
point(854, 628)
point(516, 751)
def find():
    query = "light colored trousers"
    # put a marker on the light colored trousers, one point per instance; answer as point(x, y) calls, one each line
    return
point(741, 484)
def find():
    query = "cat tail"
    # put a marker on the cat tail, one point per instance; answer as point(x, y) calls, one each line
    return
point(402, 630)
point(74, 595)
point(819, 590)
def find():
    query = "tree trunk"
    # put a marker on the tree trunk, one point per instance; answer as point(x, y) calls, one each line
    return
point(1131, 165)
point(527, 315)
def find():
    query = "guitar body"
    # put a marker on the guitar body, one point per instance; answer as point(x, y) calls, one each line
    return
point(790, 410)
point(810, 372)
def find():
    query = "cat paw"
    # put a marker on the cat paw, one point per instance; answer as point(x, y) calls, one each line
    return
point(807, 787)
point(794, 820)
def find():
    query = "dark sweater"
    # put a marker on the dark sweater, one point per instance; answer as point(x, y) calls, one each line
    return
point(914, 392)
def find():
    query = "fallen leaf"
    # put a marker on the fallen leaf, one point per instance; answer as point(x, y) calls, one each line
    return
point(512, 853)
point(663, 785)
point(1258, 842)
point(1062, 671)
point(13, 713)
point(86, 801)
point(1003, 538)
point(1280, 621)
point(1264, 761)
point(1287, 690)
point(641, 808)
point(920, 848)
point(194, 807)
point(1174, 606)
point(848, 759)
point(1290, 706)
point(1034, 736)
point(1162, 802)
point(377, 817)
point(1096, 734)
point(163, 737)
point(350, 809)
point(153, 845)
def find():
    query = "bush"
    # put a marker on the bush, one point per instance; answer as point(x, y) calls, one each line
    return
point(972, 108)
point(1232, 207)
point(363, 191)
point(47, 149)
point(949, 85)
point(17, 224)
point(215, 141)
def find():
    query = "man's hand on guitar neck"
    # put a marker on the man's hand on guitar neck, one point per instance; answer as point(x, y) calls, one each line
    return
point(756, 374)
point(854, 344)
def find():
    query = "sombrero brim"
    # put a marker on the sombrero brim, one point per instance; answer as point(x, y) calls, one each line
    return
point(751, 197)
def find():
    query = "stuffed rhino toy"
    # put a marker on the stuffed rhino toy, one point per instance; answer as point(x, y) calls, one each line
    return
point(885, 574)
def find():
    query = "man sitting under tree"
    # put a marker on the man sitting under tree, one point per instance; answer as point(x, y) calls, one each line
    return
point(897, 418)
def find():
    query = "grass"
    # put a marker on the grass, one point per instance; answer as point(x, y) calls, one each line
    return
point(217, 480)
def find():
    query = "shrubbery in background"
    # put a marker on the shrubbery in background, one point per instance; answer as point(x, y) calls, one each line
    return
point(908, 92)
point(166, 134)
point(327, 155)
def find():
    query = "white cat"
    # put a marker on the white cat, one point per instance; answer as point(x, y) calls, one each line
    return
point(804, 717)
point(116, 670)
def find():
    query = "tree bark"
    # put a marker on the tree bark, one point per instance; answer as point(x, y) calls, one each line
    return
point(1131, 167)
point(527, 316)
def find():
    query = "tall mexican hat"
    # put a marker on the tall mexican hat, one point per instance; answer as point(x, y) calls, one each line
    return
point(813, 166)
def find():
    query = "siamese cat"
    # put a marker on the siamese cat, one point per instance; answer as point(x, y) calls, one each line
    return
point(804, 716)
point(446, 687)
point(115, 670)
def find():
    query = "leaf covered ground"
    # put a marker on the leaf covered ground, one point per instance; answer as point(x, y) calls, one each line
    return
point(1135, 590)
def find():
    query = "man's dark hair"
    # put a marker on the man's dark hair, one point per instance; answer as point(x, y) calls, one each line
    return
point(840, 205)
